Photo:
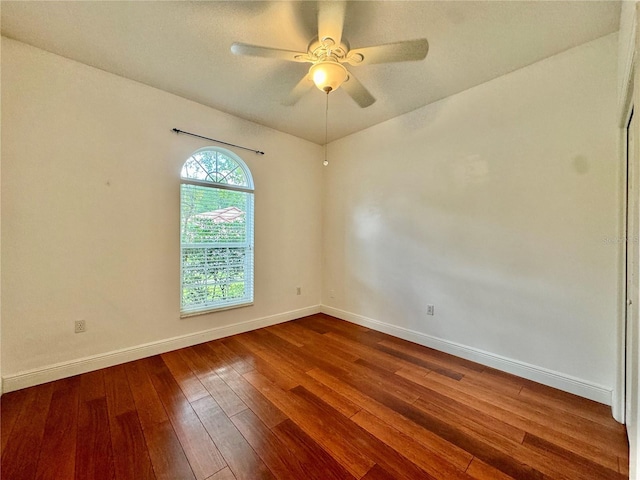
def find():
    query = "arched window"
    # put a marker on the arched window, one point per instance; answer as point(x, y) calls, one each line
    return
point(216, 232)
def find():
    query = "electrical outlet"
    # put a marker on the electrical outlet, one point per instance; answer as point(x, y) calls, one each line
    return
point(298, 290)
point(81, 326)
point(332, 293)
point(430, 310)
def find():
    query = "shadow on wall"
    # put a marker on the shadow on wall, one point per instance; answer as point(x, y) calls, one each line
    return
point(463, 265)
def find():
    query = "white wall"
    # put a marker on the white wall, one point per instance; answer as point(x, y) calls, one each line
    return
point(90, 197)
point(497, 205)
point(626, 43)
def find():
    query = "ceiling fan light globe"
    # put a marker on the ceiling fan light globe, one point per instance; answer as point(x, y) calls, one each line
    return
point(327, 75)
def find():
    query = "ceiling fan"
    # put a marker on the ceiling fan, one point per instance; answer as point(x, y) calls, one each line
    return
point(330, 51)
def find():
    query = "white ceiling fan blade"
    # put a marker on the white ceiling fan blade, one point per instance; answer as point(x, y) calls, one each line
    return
point(331, 20)
point(298, 91)
point(409, 50)
point(266, 52)
point(357, 91)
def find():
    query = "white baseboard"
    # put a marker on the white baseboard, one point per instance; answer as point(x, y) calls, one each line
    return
point(551, 378)
point(57, 371)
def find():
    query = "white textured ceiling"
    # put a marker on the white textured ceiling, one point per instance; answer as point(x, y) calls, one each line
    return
point(183, 48)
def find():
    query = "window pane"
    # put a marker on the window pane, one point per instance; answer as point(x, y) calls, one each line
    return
point(214, 215)
point(213, 275)
point(216, 167)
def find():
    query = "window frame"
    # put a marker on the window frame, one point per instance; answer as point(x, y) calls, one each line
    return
point(249, 266)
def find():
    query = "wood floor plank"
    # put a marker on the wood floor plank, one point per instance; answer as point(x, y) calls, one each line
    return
point(238, 454)
point(623, 466)
point(273, 452)
point(20, 457)
point(571, 401)
point(519, 453)
point(371, 371)
point(207, 366)
point(94, 453)
point(593, 411)
point(380, 358)
point(482, 381)
point(361, 366)
point(287, 335)
point(433, 444)
point(148, 405)
point(408, 447)
point(378, 473)
point(447, 372)
point(264, 409)
point(570, 438)
point(165, 451)
point(231, 359)
point(548, 465)
point(220, 358)
point(330, 434)
point(224, 474)
point(117, 391)
point(353, 447)
point(364, 335)
point(272, 364)
point(281, 349)
point(290, 362)
point(10, 406)
point(481, 471)
point(581, 466)
point(244, 357)
point(463, 413)
point(167, 456)
point(433, 357)
point(58, 454)
point(92, 385)
point(566, 422)
point(130, 454)
point(446, 360)
point(188, 381)
point(315, 398)
point(381, 453)
point(310, 338)
point(451, 433)
point(204, 458)
point(217, 356)
point(318, 464)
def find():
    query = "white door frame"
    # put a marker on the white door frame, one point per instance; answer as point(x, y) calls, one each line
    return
point(629, 97)
point(625, 107)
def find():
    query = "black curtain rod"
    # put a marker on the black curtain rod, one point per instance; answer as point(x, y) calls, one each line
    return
point(218, 141)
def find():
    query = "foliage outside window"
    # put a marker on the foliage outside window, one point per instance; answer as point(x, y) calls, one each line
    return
point(216, 232)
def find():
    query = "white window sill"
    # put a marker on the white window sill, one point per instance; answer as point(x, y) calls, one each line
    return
point(215, 309)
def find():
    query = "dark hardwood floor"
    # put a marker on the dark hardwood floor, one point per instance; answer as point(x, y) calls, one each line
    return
point(316, 398)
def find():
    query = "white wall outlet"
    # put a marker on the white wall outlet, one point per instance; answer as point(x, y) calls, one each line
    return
point(430, 310)
point(332, 293)
point(298, 290)
point(81, 326)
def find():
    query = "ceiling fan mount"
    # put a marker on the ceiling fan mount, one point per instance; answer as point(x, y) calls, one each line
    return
point(321, 48)
point(328, 53)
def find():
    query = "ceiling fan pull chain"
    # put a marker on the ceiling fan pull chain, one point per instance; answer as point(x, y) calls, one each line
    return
point(326, 123)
